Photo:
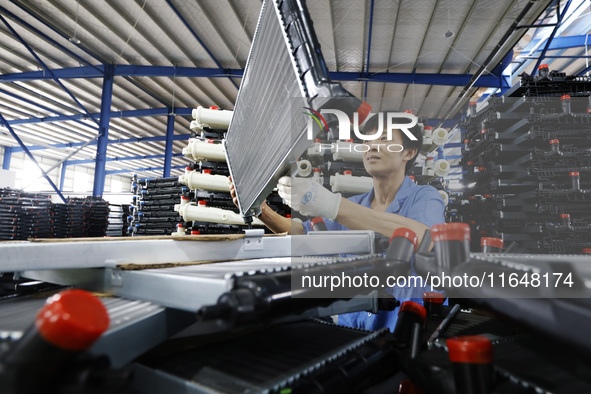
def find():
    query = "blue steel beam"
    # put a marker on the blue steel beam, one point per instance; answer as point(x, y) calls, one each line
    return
point(560, 16)
point(168, 148)
point(111, 172)
point(46, 69)
point(22, 145)
point(90, 161)
point(101, 148)
point(560, 43)
point(196, 72)
point(368, 46)
point(135, 113)
point(178, 137)
point(7, 157)
point(63, 176)
point(180, 16)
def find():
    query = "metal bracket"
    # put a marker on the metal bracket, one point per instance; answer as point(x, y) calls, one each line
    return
point(116, 277)
point(254, 239)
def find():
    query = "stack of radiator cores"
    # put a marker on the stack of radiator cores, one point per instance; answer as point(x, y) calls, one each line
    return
point(97, 217)
point(527, 164)
point(152, 211)
point(208, 208)
point(80, 217)
point(117, 220)
point(24, 215)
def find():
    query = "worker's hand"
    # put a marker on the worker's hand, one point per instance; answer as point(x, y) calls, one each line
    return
point(309, 197)
point(235, 199)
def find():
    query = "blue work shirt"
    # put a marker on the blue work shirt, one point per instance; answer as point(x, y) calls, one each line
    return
point(421, 203)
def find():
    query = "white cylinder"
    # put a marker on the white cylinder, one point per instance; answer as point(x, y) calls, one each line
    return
point(318, 149)
point(440, 136)
point(304, 168)
point(350, 183)
point(212, 118)
point(347, 151)
point(442, 167)
point(429, 162)
point(427, 135)
point(200, 150)
point(317, 177)
point(194, 126)
point(196, 180)
point(200, 213)
point(445, 196)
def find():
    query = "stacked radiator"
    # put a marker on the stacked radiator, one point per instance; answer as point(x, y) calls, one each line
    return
point(117, 220)
point(527, 164)
point(24, 215)
point(152, 211)
point(80, 217)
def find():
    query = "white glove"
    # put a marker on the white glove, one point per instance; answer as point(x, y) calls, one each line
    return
point(308, 197)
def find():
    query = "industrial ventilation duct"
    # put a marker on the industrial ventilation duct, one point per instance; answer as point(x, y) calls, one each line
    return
point(285, 73)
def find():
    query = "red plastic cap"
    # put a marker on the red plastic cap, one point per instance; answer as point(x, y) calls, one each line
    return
point(363, 110)
point(288, 215)
point(466, 141)
point(589, 110)
point(408, 111)
point(185, 198)
point(179, 225)
point(450, 232)
point(349, 140)
point(348, 172)
point(494, 242)
point(554, 141)
point(210, 141)
point(411, 306)
point(587, 250)
point(214, 107)
point(206, 171)
point(487, 195)
point(542, 66)
point(483, 131)
point(565, 97)
point(433, 298)
point(408, 387)
point(428, 127)
point(473, 102)
point(481, 168)
point(574, 173)
point(72, 320)
point(430, 158)
point(471, 197)
point(406, 233)
point(412, 177)
point(471, 349)
point(564, 216)
point(202, 202)
point(195, 232)
point(317, 170)
point(316, 220)
point(317, 140)
point(470, 163)
point(188, 169)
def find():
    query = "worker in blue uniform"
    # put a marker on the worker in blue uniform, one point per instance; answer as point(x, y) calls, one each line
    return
point(395, 201)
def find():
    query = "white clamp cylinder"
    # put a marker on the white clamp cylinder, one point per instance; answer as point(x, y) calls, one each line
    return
point(212, 118)
point(200, 213)
point(445, 196)
point(441, 167)
point(304, 168)
point(317, 148)
point(201, 150)
point(350, 183)
point(196, 180)
point(347, 151)
point(440, 136)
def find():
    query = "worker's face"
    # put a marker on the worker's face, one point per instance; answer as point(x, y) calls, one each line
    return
point(384, 157)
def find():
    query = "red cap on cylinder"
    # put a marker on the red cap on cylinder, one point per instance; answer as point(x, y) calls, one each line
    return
point(180, 225)
point(188, 169)
point(486, 195)
point(185, 198)
point(411, 306)
point(214, 107)
point(564, 216)
point(490, 241)
point(317, 170)
point(554, 141)
point(405, 233)
point(316, 220)
point(450, 232)
point(574, 173)
point(206, 171)
point(430, 158)
point(542, 66)
point(470, 163)
point(349, 140)
point(587, 250)
point(195, 232)
point(466, 141)
point(471, 349)
point(288, 215)
point(72, 319)
point(483, 131)
point(412, 177)
point(433, 297)
point(348, 172)
point(317, 140)
point(565, 97)
point(202, 202)
point(428, 127)
point(481, 168)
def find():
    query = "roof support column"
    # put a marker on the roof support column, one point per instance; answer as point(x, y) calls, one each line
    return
point(101, 147)
point(63, 176)
point(169, 141)
point(7, 157)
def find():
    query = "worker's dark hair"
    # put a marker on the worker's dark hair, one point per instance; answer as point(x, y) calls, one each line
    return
point(372, 125)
